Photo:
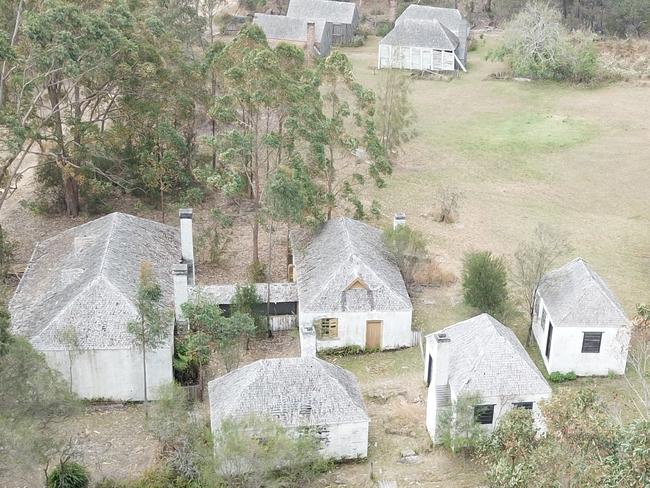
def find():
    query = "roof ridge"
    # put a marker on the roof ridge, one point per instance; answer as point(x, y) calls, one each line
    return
point(109, 237)
point(602, 287)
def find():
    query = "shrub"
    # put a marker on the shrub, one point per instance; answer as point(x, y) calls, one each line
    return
point(485, 282)
point(257, 272)
point(557, 377)
point(537, 46)
point(352, 350)
point(449, 202)
point(68, 474)
point(383, 28)
point(429, 273)
point(409, 248)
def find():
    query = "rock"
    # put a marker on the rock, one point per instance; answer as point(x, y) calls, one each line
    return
point(410, 460)
point(408, 452)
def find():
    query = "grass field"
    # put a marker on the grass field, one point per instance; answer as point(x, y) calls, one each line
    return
point(522, 153)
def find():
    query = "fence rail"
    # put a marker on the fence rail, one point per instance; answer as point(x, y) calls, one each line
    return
point(194, 393)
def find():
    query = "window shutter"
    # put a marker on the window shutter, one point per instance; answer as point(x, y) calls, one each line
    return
point(591, 342)
point(484, 414)
point(525, 405)
point(327, 328)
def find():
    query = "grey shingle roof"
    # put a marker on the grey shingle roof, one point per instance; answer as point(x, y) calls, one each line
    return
point(293, 391)
point(86, 277)
point(224, 294)
point(421, 33)
point(449, 17)
point(279, 27)
point(487, 358)
point(335, 12)
point(343, 250)
point(575, 295)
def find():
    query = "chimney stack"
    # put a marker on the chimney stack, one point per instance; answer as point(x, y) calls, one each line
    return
point(181, 290)
point(399, 219)
point(440, 356)
point(311, 38)
point(187, 243)
point(307, 341)
point(437, 372)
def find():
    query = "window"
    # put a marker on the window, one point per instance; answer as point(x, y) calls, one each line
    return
point(327, 328)
point(484, 414)
point(591, 342)
point(525, 405)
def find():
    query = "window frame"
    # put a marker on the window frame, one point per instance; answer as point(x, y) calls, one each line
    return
point(589, 343)
point(480, 416)
point(328, 324)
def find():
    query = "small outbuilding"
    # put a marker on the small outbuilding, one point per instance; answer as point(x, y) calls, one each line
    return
point(77, 296)
point(314, 35)
point(426, 39)
point(344, 16)
point(579, 325)
point(297, 393)
point(350, 290)
point(480, 357)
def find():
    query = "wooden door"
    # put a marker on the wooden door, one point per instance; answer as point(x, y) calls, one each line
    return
point(373, 334)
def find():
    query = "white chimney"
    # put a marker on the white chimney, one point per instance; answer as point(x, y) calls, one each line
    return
point(399, 219)
point(307, 341)
point(181, 290)
point(437, 373)
point(187, 243)
point(440, 356)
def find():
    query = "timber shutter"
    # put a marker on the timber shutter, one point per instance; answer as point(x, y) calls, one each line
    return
point(591, 342)
point(327, 328)
point(484, 414)
point(524, 405)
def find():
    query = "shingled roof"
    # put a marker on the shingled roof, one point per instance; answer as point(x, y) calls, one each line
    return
point(224, 294)
point(293, 391)
point(421, 33)
point(283, 28)
point(86, 277)
point(487, 359)
point(575, 295)
point(449, 17)
point(335, 12)
point(342, 253)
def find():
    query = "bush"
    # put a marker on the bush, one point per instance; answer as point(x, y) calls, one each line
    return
point(352, 350)
point(537, 46)
point(557, 377)
point(409, 248)
point(68, 474)
point(383, 28)
point(257, 272)
point(485, 282)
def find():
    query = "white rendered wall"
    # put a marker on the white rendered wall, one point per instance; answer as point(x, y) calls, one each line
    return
point(346, 441)
point(566, 348)
point(415, 58)
point(114, 374)
point(396, 328)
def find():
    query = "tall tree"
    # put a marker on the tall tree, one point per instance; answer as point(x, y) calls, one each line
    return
point(395, 112)
point(485, 282)
point(151, 328)
point(532, 260)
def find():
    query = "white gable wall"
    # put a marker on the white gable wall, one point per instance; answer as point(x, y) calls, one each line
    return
point(396, 329)
point(566, 347)
point(345, 441)
point(415, 58)
point(114, 374)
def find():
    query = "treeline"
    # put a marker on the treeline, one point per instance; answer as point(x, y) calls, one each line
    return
point(140, 98)
point(621, 18)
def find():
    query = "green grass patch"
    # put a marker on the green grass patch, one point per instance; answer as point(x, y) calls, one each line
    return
point(519, 134)
point(383, 363)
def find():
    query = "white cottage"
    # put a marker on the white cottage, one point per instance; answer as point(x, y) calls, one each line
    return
point(297, 393)
point(350, 290)
point(426, 39)
point(84, 280)
point(343, 16)
point(481, 356)
point(315, 35)
point(579, 325)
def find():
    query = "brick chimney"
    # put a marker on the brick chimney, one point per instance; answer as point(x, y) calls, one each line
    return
point(310, 44)
point(187, 243)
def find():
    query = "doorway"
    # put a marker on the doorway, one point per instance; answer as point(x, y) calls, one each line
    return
point(548, 340)
point(373, 334)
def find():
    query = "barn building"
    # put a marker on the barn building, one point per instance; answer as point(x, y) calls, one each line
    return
point(482, 357)
point(579, 325)
point(426, 39)
point(344, 16)
point(315, 35)
point(350, 290)
point(77, 297)
point(297, 393)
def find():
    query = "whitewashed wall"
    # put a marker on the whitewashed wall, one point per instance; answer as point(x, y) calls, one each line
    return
point(345, 441)
point(396, 329)
point(415, 58)
point(502, 405)
point(566, 348)
point(114, 374)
